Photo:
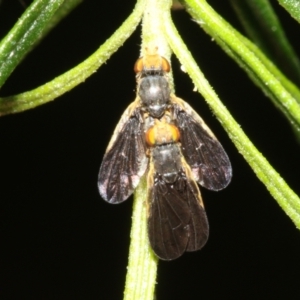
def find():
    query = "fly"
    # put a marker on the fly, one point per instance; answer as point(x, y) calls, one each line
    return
point(203, 152)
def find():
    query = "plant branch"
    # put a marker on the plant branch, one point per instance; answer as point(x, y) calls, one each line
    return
point(285, 197)
point(66, 7)
point(142, 264)
point(274, 84)
point(78, 74)
point(293, 7)
point(265, 30)
point(16, 44)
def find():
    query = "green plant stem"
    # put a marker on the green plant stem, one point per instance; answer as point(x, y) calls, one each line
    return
point(285, 197)
point(66, 7)
point(15, 45)
point(264, 28)
point(142, 263)
point(293, 7)
point(234, 45)
point(77, 75)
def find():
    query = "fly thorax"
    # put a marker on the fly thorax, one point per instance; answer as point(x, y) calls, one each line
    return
point(167, 161)
point(154, 93)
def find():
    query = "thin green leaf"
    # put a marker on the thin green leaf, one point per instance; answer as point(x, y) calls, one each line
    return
point(77, 75)
point(293, 7)
point(24, 34)
point(264, 28)
point(283, 93)
point(289, 86)
point(63, 11)
point(277, 187)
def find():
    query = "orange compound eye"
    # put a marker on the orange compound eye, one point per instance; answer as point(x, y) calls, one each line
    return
point(175, 133)
point(165, 64)
point(162, 133)
point(151, 61)
point(138, 66)
point(150, 136)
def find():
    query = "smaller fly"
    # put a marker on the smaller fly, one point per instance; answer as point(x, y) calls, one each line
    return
point(195, 152)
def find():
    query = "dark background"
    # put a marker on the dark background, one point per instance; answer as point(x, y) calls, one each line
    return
point(60, 240)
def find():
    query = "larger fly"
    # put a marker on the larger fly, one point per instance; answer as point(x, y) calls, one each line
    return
point(195, 153)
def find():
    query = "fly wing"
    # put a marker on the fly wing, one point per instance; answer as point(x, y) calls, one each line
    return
point(169, 216)
point(198, 224)
point(203, 152)
point(177, 221)
point(125, 159)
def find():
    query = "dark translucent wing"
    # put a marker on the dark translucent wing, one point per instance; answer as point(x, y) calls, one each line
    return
point(124, 163)
point(169, 216)
point(198, 224)
point(177, 220)
point(203, 152)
